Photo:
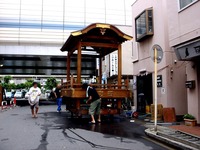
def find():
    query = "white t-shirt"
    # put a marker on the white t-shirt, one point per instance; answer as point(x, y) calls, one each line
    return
point(33, 95)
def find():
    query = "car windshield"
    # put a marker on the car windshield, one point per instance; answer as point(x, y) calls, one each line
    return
point(8, 93)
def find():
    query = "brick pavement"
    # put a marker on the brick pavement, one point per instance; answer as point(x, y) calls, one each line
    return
point(188, 129)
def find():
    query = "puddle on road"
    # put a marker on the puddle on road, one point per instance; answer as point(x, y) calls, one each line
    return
point(14, 114)
point(6, 139)
point(117, 126)
point(45, 127)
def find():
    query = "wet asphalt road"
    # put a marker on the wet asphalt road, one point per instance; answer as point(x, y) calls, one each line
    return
point(54, 131)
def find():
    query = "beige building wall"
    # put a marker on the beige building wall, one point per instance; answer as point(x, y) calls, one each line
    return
point(193, 94)
point(184, 27)
point(127, 59)
point(173, 92)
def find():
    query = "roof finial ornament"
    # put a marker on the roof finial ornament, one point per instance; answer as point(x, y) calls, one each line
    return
point(103, 31)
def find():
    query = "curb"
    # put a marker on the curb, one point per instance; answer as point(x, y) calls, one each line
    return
point(151, 133)
point(181, 140)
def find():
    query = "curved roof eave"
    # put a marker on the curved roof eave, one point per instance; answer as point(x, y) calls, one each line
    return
point(102, 25)
point(93, 26)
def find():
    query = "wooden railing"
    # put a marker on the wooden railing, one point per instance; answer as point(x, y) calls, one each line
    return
point(71, 84)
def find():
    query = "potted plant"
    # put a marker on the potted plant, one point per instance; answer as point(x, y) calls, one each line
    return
point(189, 120)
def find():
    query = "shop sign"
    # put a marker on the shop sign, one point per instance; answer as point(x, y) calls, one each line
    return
point(159, 81)
point(190, 84)
point(189, 51)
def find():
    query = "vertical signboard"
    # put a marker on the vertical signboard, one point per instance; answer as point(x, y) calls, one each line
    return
point(159, 80)
point(113, 64)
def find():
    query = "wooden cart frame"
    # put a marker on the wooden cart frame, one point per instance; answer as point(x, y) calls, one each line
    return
point(103, 39)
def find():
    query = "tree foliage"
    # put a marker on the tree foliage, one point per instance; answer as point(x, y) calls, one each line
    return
point(20, 86)
point(50, 83)
point(7, 79)
point(9, 86)
point(28, 83)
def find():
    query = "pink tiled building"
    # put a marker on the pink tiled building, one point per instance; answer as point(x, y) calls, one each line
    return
point(175, 26)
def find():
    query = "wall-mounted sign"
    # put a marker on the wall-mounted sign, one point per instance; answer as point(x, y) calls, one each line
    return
point(189, 51)
point(159, 81)
point(190, 84)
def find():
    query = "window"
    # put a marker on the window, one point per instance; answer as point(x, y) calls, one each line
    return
point(185, 3)
point(135, 50)
point(144, 25)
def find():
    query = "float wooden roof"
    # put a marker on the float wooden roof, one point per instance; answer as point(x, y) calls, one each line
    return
point(102, 38)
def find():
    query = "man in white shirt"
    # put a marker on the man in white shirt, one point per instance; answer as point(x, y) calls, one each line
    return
point(34, 96)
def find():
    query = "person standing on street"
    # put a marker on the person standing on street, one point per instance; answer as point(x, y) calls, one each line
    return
point(34, 97)
point(2, 94)
point(58, 97)
point(95, 102)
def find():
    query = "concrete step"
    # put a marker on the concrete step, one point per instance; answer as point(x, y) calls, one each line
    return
point(186, 137)
point(182, 137)
point(169, 140)
point(194, 140)
point(197, 142)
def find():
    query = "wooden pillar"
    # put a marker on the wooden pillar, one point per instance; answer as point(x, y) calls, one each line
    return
point(79, 64)
point(100, 69)
point(1, 94)
point(68, 66)
point(78, 107)
point(127, 82)
point(72, 81)
point(119, 65)
point(78, 104)
point(119, 104)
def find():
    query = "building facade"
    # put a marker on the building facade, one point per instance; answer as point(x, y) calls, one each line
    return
point(184, 39)
point(32, 32)
point(46, 22)
point(151, 26)
point(110, 62)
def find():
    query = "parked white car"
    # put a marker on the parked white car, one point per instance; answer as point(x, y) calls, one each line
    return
point(18, 94)
point(8, 95)
point(47, 94)
point(26, 95)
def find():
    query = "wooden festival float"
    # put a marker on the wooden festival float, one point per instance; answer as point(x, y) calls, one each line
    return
point(103, 39)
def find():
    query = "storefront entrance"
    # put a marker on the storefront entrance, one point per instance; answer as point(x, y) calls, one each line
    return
point(144, 92)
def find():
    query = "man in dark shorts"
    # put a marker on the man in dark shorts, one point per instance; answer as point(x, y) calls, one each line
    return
point(94, 100)
point(58, 97)
point(34, 96)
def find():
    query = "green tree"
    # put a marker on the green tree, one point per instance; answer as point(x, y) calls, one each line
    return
point(12, 86)
point(28, 83)
point(20, 86)
point(39, 85)
point(50, 83)
point(7, 79)
point(9, 86)
point(5, 85)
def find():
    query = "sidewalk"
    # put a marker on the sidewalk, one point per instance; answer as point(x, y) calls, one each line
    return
point(181, 136)
point(188, 129)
